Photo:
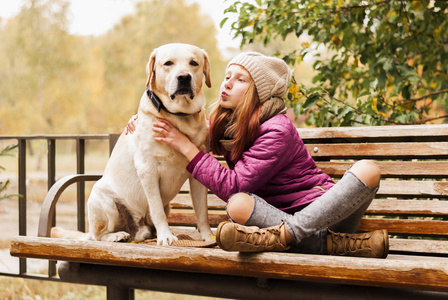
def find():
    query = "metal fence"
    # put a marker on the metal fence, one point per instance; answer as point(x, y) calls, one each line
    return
point(51, 141)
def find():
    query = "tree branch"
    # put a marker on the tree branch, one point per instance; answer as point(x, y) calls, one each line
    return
point(426, 96)
point(365, 6)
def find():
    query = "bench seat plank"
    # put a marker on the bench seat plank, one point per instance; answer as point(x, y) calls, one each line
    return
point(408, 272)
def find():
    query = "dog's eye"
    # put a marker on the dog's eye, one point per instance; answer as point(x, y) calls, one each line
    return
point(168, 63)
point(193, 63)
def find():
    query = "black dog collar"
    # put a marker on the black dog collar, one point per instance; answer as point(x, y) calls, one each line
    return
point(155, 100)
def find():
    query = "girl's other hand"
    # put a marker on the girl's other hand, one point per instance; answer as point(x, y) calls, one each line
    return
point(174, 138)
point(132, 124)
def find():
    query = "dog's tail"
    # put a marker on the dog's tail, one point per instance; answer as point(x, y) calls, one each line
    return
point(58, 232)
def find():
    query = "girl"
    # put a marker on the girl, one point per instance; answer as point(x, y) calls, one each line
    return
point(277, 199)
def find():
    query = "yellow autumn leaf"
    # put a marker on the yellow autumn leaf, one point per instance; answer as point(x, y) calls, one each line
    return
point(406, 25)
point(417, 4)
point(437, 32)
point(293, 89)
point(374, 103)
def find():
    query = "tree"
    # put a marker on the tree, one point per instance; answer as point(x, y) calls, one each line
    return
point(54, 82)
point(126, 49)
point(40, 64)
point(386, 61)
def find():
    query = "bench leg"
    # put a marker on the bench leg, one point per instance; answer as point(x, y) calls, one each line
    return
point(119, 292)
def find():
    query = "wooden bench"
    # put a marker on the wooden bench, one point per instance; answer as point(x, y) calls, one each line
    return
point(411, 204)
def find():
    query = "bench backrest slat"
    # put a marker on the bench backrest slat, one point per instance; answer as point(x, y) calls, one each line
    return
point(392, 169)
point(378, 133)
point(426, 150)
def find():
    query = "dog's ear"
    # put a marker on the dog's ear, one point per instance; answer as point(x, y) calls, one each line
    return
point(150, 67)
point(208, 82)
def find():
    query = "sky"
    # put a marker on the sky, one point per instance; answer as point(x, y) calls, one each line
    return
point(85, 19)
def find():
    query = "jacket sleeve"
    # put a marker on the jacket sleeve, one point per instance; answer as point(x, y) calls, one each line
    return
point(270, 152)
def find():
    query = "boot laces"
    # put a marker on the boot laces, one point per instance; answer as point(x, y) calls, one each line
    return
point(260, 237)
point(351, 243)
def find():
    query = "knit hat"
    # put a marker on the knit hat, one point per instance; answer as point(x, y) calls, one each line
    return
point(270, 74)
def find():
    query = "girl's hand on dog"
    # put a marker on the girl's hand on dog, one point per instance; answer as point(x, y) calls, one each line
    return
point(174, 138)
point(130, 127)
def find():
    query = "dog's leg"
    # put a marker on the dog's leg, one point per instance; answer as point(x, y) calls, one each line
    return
point(143, 231)
point(150, 182)
point(158, 217)
point(199, 199)
point(104, 218)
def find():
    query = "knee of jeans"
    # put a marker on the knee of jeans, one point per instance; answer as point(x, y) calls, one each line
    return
point(367, 171)
point(239, 207)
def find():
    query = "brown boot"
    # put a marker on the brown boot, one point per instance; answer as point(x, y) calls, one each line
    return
point(370, 244)
point(235, 237)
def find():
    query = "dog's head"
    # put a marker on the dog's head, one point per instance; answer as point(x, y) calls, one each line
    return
point(175, 73)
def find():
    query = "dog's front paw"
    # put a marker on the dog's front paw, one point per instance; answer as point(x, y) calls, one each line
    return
point(142, 234)
point(120, 236)
point(165, 239)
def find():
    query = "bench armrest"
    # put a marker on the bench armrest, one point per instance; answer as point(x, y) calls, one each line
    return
point(47, 211)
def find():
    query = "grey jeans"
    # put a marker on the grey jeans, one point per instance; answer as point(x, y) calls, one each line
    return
point(340, 209)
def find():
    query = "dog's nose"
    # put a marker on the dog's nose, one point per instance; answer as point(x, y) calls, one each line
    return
point(184, 78)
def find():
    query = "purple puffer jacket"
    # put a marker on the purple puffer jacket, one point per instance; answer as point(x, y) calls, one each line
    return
point(277, 167)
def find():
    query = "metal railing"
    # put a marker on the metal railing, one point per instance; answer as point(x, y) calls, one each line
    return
point(51, 140)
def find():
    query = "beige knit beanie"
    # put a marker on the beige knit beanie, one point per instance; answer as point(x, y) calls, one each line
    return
point(270, 74)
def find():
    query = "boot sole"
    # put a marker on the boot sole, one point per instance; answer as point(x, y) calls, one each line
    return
point(386, 244)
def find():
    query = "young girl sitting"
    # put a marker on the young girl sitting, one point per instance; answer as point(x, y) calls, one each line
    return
point(277, 199)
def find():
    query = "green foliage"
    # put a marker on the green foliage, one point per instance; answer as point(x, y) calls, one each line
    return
point(4, 185)
point(385, 62)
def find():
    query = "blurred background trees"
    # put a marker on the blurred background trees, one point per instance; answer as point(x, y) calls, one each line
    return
point(376, 62)
point(55, 82)
point(355, 62)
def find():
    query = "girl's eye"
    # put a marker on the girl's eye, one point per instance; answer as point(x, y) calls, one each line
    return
point(168, 63)
point(193, 63)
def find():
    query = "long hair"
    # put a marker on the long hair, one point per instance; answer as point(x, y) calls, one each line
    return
point(246, 119)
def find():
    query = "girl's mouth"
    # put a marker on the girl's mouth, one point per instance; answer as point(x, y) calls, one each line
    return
point(223, 95)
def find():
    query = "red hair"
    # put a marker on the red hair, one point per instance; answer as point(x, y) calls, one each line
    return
point(246, 118)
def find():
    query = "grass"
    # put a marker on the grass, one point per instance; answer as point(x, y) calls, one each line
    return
point(12, 288)
point(18, 288)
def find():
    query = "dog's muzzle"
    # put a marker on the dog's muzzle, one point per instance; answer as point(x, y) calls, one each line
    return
point(184, 86)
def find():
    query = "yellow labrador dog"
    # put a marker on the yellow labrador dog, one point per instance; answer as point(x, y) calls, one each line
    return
point(142, 175)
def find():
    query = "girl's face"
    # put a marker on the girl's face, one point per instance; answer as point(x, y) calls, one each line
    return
point(235, 84)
